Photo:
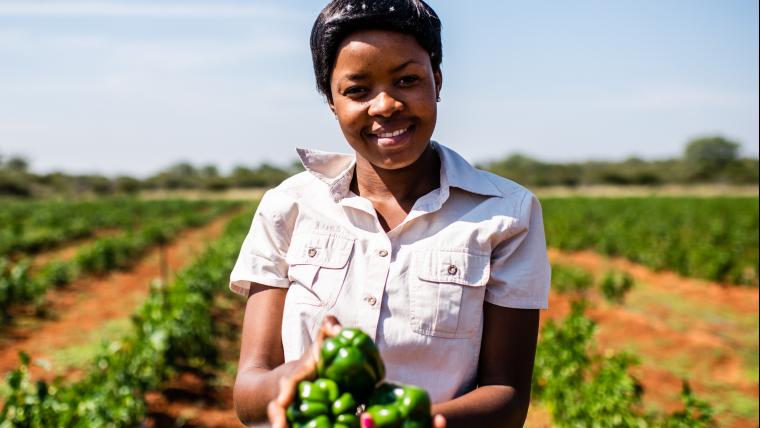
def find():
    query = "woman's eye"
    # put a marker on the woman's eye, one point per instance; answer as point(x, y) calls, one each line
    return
point(408, 80)
point(354, 90)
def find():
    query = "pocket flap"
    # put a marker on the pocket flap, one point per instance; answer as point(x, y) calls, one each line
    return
point(325, 250)
point(456, 267)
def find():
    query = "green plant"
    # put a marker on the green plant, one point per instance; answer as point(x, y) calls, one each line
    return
point(171, 331)
point(567, 279)
point(615, 284)
point(712, 238)
point(695, 414)
point(583, 388)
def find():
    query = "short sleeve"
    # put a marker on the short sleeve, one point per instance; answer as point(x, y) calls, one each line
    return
point(520, 270)
point(262, 255)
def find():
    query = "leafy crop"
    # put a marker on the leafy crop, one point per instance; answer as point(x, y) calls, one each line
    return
point(712, 238)
point(27, 227)
point(615, 284)
point(583, 388)
point(171, 331)
point(19, 285)
point(568, 279)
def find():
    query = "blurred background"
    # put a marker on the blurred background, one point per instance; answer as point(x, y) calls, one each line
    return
point(133, 88)
point(137, 136)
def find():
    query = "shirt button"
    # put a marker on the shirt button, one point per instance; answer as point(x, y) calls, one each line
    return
point(371, 301)
point(453, 270)
point(382, 253)
point(312, 252)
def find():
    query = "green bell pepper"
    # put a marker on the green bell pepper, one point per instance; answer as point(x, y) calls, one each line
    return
point(353, 361)
point(399, 406)
point(319, 404)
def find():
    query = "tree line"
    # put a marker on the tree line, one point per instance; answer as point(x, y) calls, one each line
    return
point(712, 159)
point(17, 180)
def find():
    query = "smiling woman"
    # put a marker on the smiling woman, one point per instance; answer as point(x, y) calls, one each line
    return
point(444, 266)
point(383, 93)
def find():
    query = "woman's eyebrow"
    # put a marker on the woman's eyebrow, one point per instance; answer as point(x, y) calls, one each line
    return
point(354, 76)
point(364, 76)
point(403, 65)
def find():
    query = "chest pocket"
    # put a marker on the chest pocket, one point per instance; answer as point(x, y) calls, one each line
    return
point(446, 293)
point(318, 264)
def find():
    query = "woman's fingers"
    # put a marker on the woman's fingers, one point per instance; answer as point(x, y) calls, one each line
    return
point(276, 414)
point(439, 421)
point(330, 327)
point(288, 386)
point(366, 421)
point(307, 369)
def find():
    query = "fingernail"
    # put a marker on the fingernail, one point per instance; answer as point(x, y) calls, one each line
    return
point(366, 421)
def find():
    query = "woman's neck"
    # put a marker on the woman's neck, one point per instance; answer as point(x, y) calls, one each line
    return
point(405, 185)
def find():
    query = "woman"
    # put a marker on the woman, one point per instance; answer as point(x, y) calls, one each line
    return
point(443, 265)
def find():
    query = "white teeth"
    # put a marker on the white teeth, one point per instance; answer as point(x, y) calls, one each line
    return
point(392, 134)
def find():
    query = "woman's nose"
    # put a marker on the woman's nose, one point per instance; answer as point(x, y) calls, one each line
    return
point(384, 105)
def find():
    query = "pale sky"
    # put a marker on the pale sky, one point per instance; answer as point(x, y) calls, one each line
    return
point(133, 86)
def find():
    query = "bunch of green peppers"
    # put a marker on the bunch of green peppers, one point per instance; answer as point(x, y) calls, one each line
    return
point(349, 370)
point(320, 404)
point(399, 406)
point(353, 361)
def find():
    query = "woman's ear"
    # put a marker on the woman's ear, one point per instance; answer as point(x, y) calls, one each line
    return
point(438, 77)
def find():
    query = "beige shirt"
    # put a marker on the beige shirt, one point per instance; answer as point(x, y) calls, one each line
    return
point(417, 290)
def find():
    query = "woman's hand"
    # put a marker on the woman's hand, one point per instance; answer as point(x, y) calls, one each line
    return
point(307, 370)
point(438, 422)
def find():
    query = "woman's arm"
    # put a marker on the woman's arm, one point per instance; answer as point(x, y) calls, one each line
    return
point(261, 354)
point(262, 374)
point(505, 369)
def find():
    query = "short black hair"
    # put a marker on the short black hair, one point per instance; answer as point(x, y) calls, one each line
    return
point(342, 17)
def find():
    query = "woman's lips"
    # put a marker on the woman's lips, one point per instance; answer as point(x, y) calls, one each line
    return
point(391, 138)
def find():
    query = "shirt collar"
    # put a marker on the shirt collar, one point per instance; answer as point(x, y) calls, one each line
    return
point(337, 169)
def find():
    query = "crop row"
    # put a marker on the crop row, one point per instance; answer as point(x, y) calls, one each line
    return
point(584, 388)
point(20, 285)
point(602, 391)
point(711, 238)
point(613, 284)
point(32, 226)
point(171, 331)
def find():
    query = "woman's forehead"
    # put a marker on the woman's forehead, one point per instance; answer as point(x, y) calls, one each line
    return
point(380, 45)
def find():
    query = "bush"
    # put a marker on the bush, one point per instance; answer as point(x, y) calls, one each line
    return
point(583, 388)
point(615, 285)
point(567, 279)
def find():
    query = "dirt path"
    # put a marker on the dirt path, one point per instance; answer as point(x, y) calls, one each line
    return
point(87, 304)
point(680, 328)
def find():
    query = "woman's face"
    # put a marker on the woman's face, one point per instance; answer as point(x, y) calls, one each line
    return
point(384, 95)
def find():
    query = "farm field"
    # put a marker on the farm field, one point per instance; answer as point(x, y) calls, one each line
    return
point(166, 350)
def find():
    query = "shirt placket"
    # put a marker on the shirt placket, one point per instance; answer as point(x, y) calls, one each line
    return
point(378, 268)
point(380, 256)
